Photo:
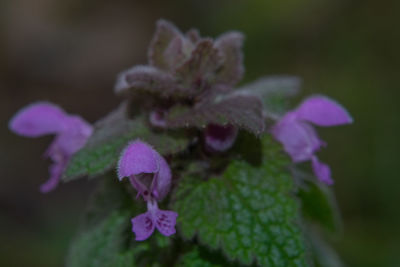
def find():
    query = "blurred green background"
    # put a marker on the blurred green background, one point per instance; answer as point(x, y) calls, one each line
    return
point(69, 52)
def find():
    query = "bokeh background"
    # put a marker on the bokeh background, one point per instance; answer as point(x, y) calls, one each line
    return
point(69, 52)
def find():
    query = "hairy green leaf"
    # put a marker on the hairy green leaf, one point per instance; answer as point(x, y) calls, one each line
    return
point(229, 46)
point(274, 92)
point(103, 245)
point(247, 212)
point(243, 111)
point(105, 238)
point(201, 257)
point(148, 79)
point(323, 254)
point(110, 136)
point(319, 205)
point(166, 32)
point(199, 70)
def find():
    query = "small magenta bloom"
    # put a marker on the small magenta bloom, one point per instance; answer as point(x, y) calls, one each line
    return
point(44, 118)
point(219, 138)
point(298, 136)
point(157, 118)
point(143, 225)
point(150, 175)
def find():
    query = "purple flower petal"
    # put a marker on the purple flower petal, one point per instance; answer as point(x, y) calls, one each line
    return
point(38, 119)
point(299, 139)
point(157, 118)
point(322, 171)
point(143, 226)
point(220, 138)
point(76, 132)
point(323, 111)
point(138, 157)
point(165, 221)
point(163, 179)
point(55, 171)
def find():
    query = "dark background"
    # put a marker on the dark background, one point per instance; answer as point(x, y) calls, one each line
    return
point(69, 52)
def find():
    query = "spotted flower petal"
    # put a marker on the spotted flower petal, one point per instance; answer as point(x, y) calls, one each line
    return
point(143, 226)
point(165, 221)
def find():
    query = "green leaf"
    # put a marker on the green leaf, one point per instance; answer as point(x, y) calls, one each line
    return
point(324, 255)
point(105, 234)
point(319, 205)
point(103, 245)
point(230, 47)
point(165, 33)
point(111, 135)
point(274, 91)
point(148, 79)
point(243, 111)
point(199, 70)
point(247, 212)
point(201, 257)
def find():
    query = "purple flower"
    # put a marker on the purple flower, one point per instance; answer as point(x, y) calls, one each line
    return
point(157, 118)
point(150, 175)
point(44, 118)
point(220, 138)
point(164, 220)
point(298, 136)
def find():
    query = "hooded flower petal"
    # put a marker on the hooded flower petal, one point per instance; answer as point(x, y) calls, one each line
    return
point(143, 226)
point(39, 119)
point(323, 111)
point(220, 137)
point(322, 171)
point(138, 157)
point(299, 139)
point(137, 162)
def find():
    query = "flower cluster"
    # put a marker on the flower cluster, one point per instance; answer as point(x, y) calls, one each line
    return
point(189, 83)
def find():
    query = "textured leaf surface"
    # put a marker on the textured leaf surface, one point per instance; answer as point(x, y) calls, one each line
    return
point(147, 79)
point(105, 235)
point(319, 205)
point(324, 255)
point(166, 32)
point(110, 137)
point(200, 68)
point(229, 46)
point(198, 257)
point(248, 212)
point(102, 245)
point(240, 110)
point(274, 92)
